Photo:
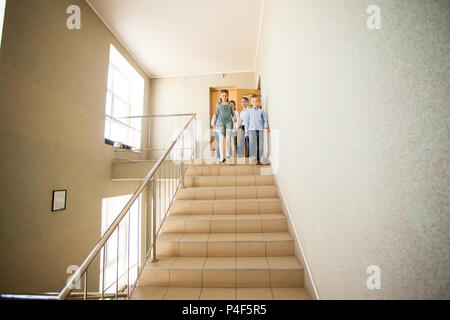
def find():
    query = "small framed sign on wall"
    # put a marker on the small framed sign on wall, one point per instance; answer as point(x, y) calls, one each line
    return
point(59, 198)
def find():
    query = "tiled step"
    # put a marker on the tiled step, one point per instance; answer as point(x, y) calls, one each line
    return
point(230, 272)
point(220, 170)
point(221, 193)
point(226, 244)
point(268, 222)
point(227, 206)
point(228, 181)
point(229, 161)
point(197, 293)
point(225, 237)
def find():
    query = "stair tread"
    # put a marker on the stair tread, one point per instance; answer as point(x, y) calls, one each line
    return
point(225, 236)
point(228, 200)
point(240, 175)
point(252, 216)
point(236, 163)
point(199, 293)
point(214, 160)
point(226, 263)
point(232, 187)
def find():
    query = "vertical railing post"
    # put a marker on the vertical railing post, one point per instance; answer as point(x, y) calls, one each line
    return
point(117, 263)
point(138, 253)
point(166, 206)
point(159, 195)
point(182, 161)
point(148, 152)
point(170, 177)
point(128, 255)
point(153, 258)
point(103, 271)
point(85, 285)
point(195, 137)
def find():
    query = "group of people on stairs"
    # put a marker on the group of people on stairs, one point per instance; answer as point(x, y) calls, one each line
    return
point(250, 123)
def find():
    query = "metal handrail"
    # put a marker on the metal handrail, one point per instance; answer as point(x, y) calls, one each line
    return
point(157, 116)
point(29, 296)
point(122, 123)
point(100, 244)
point(54, 296)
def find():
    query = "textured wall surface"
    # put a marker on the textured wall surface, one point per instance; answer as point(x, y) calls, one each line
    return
point(364, 137)
point(52, 106)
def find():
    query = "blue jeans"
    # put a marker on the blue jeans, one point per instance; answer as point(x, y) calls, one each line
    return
point(234, 141)
point(241, 148)
point(256, 149)
point(216, 136)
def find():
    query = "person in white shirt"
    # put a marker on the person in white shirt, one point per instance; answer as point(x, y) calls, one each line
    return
point(241, 124)
point(216, 136)
point(234, 134)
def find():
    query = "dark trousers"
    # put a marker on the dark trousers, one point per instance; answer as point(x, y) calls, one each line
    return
point(257, 144)
point(243, 144)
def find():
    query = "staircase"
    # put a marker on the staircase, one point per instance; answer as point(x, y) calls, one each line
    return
point(225, 237)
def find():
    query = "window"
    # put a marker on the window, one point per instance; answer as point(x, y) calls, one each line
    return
point(2, 17)
point(124, 98)
point(111, 207)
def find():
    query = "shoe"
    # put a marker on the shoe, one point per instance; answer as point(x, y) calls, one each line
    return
point(221, 162)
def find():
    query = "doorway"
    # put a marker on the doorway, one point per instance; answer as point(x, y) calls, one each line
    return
point(236, 95)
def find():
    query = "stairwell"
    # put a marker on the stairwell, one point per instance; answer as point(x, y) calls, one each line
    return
point(225, 237)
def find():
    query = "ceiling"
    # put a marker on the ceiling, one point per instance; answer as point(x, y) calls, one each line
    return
point(185, 37)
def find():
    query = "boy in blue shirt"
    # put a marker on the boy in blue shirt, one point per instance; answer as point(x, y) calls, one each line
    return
point(255, 122)
point(243, 144)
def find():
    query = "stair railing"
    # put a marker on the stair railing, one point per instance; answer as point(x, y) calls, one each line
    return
point(161, 184)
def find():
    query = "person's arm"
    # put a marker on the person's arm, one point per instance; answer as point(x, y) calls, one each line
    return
point(247, 122)
point(216, 114)
point(241, 119)
point(266, 122)
point(233, 113)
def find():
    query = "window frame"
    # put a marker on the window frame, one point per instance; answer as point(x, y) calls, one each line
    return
point(128, 138)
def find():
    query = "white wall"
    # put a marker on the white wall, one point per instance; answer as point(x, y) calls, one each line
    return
point(363, 119)
point(175, 95)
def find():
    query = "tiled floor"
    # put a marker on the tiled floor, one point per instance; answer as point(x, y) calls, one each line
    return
point(196, 293)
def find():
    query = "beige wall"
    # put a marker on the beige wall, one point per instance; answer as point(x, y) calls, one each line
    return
point(174, 95)
point(363, 120)
point(52, 104)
